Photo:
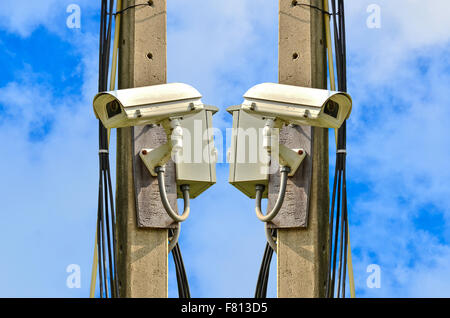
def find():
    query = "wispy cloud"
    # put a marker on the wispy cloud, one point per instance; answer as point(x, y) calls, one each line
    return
point(48, 183)
point(398, 150)
point(22, 17)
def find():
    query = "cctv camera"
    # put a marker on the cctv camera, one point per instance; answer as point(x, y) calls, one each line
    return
point(146, 105)
point(298, 105)
point(173, 106)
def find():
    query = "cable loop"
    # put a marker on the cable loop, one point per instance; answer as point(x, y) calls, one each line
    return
point(165, 201)
point(281, 194)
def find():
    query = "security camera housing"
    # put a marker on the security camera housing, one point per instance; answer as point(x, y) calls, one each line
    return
point(246, 174)
point(146, 105)
point(199, 175)
point(299, 105)
point(179, 109)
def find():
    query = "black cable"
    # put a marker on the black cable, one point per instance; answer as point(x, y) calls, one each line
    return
point(343, 87)
point(345, 229)
point(182, 281)
point(341, 250)
point(102, 242)
point(108, 232)
point(105, 159)
point(330, 234)
point(180, 278)
point(183, 270)
point(336, 234)
point(338, 220)
point(264, 272)
point(179, 273)
point(106, 220)
point(332, 250)
point(149, 3)
point(102, 272)
point(183, 276)
point(99, 250)
point(295, 3)
point(259, 283)
point(261, 273)
point(113, 223)
point(344, 203)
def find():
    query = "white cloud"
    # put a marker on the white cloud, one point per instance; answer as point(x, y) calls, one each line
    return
point(49, 186)
point(48, 192)
point(397, 146)
point(413, 23)
point(222, 48)
point(407, 28)
point(390, 101)
point(22, 17)
point(61, 174)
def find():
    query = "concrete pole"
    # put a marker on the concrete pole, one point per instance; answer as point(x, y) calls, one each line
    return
point(143, 255)
point(302, 252)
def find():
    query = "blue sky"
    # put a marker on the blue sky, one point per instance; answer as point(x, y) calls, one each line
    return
point(398, 162)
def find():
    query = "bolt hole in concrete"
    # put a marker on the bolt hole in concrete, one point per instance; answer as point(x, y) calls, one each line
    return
point(295, 56)
point(150, 56)
point(294, 3)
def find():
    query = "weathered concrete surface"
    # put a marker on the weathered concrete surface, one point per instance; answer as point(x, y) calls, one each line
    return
point(302, 253)
point(143, 261)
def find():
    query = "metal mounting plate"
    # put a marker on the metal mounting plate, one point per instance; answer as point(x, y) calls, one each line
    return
point(150, 212)
point(294, 212)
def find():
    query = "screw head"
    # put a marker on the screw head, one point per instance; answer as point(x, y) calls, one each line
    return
point(300, 152)
point(144, 152)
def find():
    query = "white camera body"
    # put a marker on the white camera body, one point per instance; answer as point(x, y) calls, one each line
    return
point(146, 105)
point(266, 109)
point(298, 105)
point(178, 108)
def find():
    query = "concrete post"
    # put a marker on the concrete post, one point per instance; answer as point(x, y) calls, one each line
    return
point(302, 252)
point(143, 255)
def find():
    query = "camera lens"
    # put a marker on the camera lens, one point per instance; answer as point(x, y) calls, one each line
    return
point(113, 108)
point(332, 109)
